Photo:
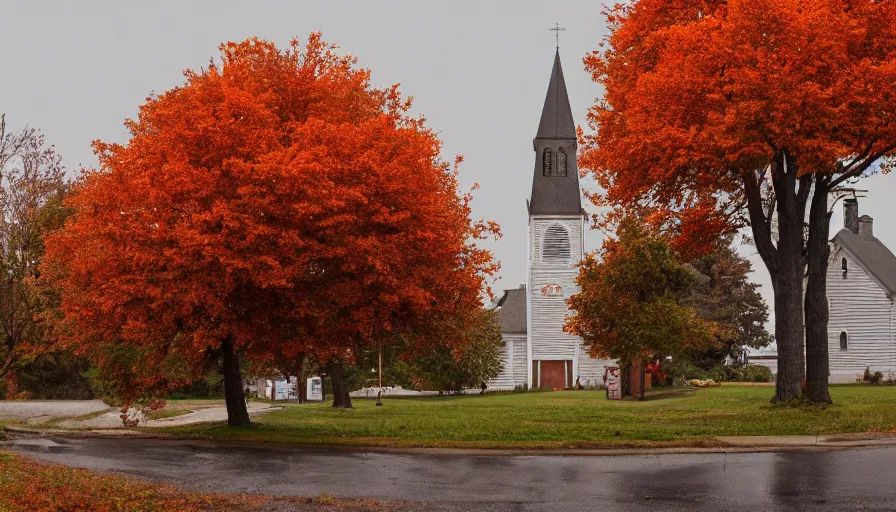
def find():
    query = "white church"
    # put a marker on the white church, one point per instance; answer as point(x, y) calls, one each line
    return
point(537, 353)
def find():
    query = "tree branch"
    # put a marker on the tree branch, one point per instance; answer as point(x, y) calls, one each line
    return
point(759, 222)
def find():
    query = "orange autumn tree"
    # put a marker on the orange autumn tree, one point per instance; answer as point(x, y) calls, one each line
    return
point(274, 205)
point(721, 114)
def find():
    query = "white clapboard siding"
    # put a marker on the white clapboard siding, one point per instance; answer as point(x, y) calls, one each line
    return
point(861, 308)
point(549, 342)
point(591, 371)
point(513, 359)
point(548, 313)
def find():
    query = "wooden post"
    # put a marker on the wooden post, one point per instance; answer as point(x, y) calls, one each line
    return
point(379, 394)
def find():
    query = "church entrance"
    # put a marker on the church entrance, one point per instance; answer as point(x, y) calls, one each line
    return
point(553, 374)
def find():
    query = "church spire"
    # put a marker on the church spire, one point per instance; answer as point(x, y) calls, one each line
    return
point(556, 115)
point(555, 186)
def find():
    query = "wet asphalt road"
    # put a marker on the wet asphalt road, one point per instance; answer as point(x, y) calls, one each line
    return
point(862, 479)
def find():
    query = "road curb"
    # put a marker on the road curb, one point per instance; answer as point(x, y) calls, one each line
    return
point(19, 431)
point(729, 444)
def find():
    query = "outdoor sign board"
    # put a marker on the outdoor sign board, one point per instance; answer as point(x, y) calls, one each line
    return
point(315, 389)
point(281, 391)
point(613, 382)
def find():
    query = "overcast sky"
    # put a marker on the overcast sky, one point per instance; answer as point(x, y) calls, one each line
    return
point(477, 70)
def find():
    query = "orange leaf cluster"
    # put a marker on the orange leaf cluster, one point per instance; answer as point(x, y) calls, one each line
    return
point(276, 199)
point(700, 93)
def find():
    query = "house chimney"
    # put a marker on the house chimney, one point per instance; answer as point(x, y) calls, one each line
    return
point(851, 214)
point(866, 224)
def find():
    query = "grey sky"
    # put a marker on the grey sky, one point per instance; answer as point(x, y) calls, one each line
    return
point(477, 70)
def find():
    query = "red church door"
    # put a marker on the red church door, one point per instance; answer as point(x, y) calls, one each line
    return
point(553, 375)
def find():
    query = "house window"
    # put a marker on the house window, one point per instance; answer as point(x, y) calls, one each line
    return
point(547, 161)
point(844, 340)
point(844, 267)
point(561, 163)
point(555, 245)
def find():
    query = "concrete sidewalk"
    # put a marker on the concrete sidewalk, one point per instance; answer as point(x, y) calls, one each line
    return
point(830, 440)
point(720, 444)
point(112, 418)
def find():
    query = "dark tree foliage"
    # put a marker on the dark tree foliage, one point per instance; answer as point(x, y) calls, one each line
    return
point(725, 297)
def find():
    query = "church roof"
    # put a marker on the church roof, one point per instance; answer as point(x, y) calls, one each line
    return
point(556, 115)
point(872, 255)
point(556, 194)
point(511, 310)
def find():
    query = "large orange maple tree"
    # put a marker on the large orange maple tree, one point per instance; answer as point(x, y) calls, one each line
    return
point(274, 205)
point(719, 114)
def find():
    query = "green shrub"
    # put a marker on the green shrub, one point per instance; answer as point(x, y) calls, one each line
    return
point(679, 367)
point(210, 386)
point(749, 373)
point(757, 373)
point(873, 378)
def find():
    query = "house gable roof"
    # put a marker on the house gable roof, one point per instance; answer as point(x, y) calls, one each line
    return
point(872, 255)
point(511, 310)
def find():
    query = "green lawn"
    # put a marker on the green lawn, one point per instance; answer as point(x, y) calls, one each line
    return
point(563, 419)
point(166, 413)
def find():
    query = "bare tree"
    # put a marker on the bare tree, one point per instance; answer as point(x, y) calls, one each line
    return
point(32, 184)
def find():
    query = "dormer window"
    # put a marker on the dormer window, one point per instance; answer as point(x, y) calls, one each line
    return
point(561, 163)
point(547, 162)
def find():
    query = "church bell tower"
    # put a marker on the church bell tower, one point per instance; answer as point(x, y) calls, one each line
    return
point(556, 226)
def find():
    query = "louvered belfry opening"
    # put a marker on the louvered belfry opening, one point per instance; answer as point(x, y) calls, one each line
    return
point(556, 245)
point(561, 163)
point(547, 161)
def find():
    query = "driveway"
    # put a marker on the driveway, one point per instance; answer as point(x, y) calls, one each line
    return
point(820, 480)
point(42, 410)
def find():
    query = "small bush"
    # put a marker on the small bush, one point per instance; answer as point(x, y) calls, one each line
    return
point(873, 378)
point(757, 373)
point(678, 368)
point(210, 386)
point(749, 373)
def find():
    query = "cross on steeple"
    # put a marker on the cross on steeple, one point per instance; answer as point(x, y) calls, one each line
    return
point(556, 31)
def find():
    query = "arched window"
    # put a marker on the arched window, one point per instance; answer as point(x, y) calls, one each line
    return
point(844, 267)
point(547, 162)
point(844, 340)
point(561, 163)
point(555, 245)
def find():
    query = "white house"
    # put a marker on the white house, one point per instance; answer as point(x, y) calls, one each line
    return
point(765, 356)
point(537, 352)
point(861, 285)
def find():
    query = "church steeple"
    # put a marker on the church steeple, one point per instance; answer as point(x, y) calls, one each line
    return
point(556, 115)
point(555, 187)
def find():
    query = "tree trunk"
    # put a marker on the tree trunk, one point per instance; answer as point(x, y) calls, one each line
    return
point(788, 335)
point(816, 302)
point(792, 193)
point(341, 397)
point(234, 397)
point(784, 262)
point(301, 379)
